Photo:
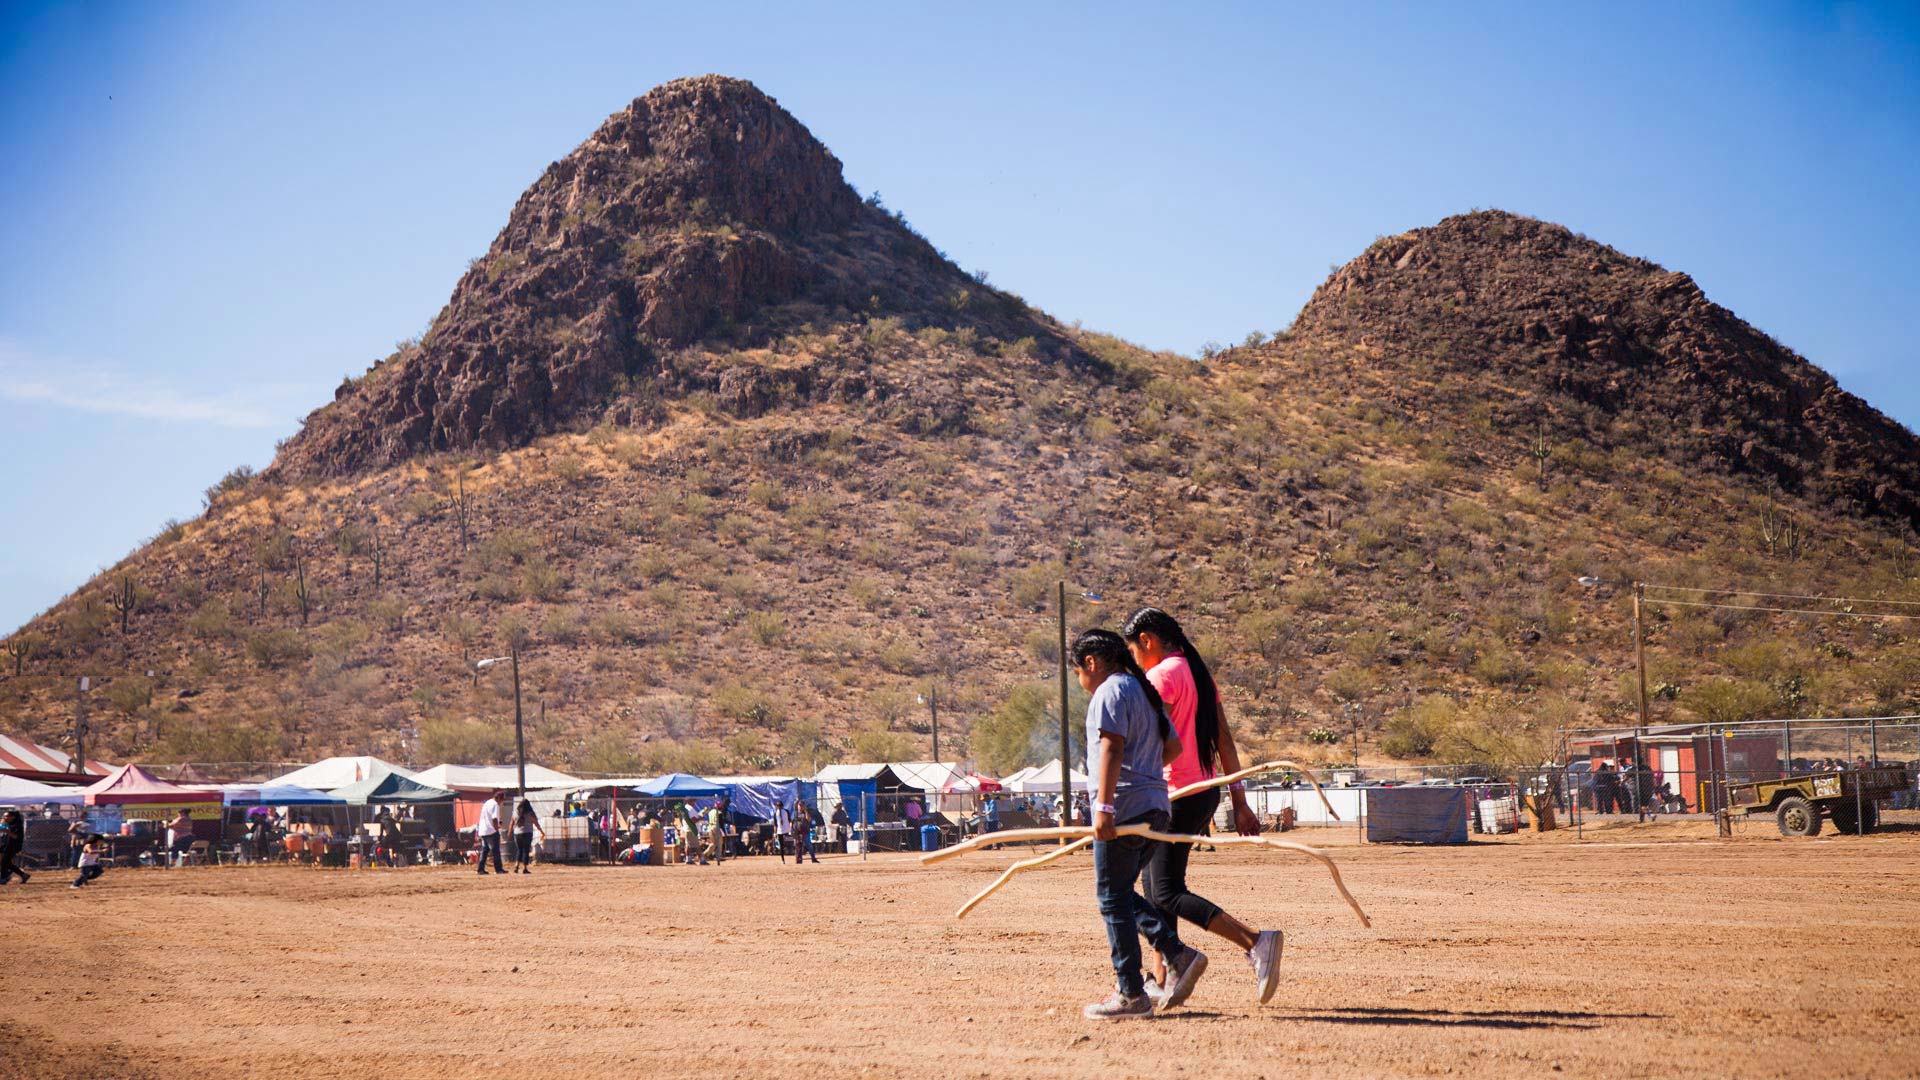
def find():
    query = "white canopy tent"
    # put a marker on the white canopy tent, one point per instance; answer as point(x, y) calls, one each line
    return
point(335, 772)
point(1044, 779)
point(496, 777)
point(17, 792)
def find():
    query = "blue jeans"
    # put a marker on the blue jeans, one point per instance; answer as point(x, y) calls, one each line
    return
point(1116, 867)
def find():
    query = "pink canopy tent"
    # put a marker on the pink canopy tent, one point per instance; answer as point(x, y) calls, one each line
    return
point(133, 785)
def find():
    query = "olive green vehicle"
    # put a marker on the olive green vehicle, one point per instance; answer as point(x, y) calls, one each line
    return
point(1798, 803)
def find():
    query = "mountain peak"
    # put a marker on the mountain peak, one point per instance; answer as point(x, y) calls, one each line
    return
point(701, 208)
point(1602, 340)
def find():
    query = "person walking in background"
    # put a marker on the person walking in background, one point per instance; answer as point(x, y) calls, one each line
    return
point(179, 836)
point(716, 832)
point(802, 834)
point(488, 831)
point(526, 822)
point(89, 863)
point(1186, 686)
point(13, 837)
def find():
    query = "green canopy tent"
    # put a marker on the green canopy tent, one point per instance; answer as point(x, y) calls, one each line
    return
point(384, 787)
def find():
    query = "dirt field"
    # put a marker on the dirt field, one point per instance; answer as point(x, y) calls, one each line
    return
point(1643, 951)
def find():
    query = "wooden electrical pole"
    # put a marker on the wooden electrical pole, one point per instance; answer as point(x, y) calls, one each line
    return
point(1066, 788)
point(1640, 735)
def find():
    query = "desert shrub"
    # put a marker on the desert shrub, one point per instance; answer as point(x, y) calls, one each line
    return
point(1024, 729)
point(879, 744)
point(499, 588)
point(276, 648)
point(466, 742)
point(236, 480)
point(766, 627)
point(511, 546)
point(769, 494)
point(610, 752)
point(1727, 701)
point(274, 552)
point(389, 613)
point(1351, 683)
point(563, 626)
point(618, 628)
point(569, 468)
point(1416, 731)
point(805, 747)
point(745, 704)
point(131, 694)
point(1033, 587)
point(212, 621)
point(1044, 645)
point(687, 756)
point(542, 580)
point(901, 658)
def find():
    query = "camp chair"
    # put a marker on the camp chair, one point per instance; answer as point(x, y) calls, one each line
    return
point(296, 845)
point(196, 854)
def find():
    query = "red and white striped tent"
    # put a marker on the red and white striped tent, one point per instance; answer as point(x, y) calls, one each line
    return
point(31, 761)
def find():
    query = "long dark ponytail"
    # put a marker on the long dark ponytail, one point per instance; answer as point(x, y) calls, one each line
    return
point(1112, 649)
point(1206, 712)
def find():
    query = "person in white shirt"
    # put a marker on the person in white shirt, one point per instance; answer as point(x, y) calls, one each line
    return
point(489, 832)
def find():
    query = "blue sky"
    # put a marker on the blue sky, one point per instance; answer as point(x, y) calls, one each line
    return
point(210, 213)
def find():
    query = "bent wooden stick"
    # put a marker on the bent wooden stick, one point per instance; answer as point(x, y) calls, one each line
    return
point(1178, 793)
point(1079, 832)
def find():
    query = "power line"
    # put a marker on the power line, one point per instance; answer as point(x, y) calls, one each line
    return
point(1781, 596)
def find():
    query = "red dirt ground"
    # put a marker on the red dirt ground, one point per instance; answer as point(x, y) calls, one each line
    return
point(1641, 951)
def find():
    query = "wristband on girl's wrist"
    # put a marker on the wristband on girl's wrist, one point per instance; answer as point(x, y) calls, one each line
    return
point(1238, 787)
point(1103, 808)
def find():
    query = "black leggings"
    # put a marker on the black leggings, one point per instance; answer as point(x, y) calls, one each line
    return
point(523, 848)
point(7, 868)
point(1166, 871)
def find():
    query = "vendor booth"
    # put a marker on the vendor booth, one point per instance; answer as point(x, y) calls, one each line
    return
point(336, 772)
point(17, 792)
point(136, 805)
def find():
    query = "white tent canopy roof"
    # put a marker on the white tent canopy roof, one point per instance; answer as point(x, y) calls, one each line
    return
point(17, 792)
point(335, 772)
point(1045, 778)
point(493, 777)
point(932, 776)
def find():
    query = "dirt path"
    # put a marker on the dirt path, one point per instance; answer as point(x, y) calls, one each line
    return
point(1640, 952)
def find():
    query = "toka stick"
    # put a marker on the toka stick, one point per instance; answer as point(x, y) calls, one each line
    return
point(1079, 832)
point(1178, 793)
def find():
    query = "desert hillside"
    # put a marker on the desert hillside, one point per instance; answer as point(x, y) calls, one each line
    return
point(743, 463)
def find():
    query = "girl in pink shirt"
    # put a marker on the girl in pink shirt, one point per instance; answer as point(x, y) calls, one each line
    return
point(1176, 670)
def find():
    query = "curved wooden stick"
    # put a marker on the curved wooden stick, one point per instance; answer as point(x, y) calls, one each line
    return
point(1085, 832)
point(1178, 793)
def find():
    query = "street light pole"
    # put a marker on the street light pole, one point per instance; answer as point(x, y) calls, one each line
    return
point(1066, 789)
point(933, 710)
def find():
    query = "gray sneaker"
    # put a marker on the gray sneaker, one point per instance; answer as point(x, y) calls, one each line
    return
point(1182, 974)
point(1265, 957)
point(1119, 1006)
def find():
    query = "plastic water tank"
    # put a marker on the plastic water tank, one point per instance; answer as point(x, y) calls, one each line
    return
point(929, 838)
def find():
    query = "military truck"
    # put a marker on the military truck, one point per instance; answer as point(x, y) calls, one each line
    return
point(1799, 803)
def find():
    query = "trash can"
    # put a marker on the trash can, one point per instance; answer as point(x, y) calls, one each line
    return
point(929, 838)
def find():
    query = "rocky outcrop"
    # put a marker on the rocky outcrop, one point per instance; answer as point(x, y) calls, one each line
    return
point(1610, 341)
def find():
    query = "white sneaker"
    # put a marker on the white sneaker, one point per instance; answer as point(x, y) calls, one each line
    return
point(1265, 957)
point(1181, 976)
point(1119, 1006)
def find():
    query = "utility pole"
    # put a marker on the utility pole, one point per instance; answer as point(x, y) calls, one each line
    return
point(80, 723)
point(933, 710)
point(1640, 735)
point(1066, 788)
point(519, 732)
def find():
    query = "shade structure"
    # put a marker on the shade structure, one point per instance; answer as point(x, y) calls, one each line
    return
point(681, 786)
point(32, 761)
point(17, 792)
point(277, 795)
point(757, 796)
point(131, 785)
point(336, 772)
point(391, 787)
point(491, 778)
point(1046, 778)
point(971, 783)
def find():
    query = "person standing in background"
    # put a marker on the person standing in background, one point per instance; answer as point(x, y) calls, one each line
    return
point(488, 831)
point(13, 837)
point(526, 822)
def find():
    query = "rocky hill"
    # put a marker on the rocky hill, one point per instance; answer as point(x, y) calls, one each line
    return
point(743, 464)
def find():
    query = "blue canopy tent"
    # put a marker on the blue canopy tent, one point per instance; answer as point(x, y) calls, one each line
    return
point(756, 797)
point(682, 786)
